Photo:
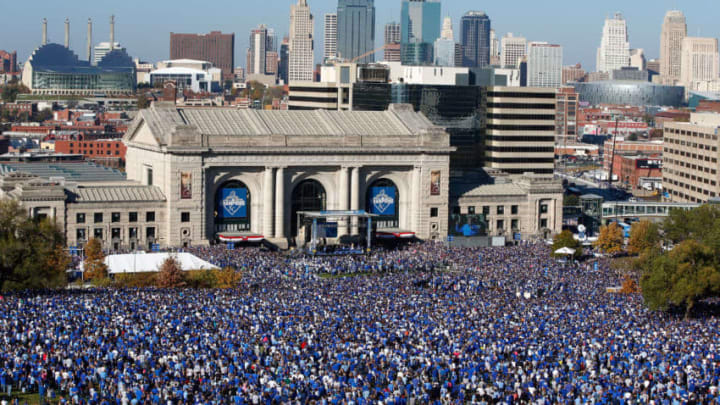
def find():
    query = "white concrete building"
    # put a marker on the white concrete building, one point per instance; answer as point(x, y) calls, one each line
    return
point(513, 49)
point(700, 62)
point(191, 79)
point(331, 39)
point(614, 51)
point(545, 65)
point(102, 49)
point(302, 27)
point(674, 31)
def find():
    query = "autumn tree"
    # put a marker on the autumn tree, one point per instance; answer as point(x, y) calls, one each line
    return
point(32, 252)
point(171, 274)
point(95, 267)
point(644, 235)
point(687, 274)
point(228, 278)
point(610, 240)
point(565, 239)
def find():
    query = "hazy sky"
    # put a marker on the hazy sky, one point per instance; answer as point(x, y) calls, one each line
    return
point(143, 27)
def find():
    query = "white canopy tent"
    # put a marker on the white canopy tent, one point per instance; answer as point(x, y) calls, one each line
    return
point(150, 262)
point(565, 251)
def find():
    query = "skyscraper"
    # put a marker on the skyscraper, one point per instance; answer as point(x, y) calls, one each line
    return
point(257, 53)
point(215, 47)
point(302, 27)
point(331, 37)
point(513, 49)
point(283, 65)
point(420, 27)
point(674, 30)
point(392, 42)
point(356, 29)
point(445, 47)
point(475, 26)
point(544, 65)
point(699, 62)
point(614, 51)
point(494, 48)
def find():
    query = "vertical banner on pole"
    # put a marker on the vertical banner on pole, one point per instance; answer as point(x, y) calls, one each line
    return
point(369, 234)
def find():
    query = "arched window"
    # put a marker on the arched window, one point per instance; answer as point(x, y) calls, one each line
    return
point(309, 195)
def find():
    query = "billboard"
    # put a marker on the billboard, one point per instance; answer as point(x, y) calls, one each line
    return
point(467, 225)
point(383, 201)
point(233, 203)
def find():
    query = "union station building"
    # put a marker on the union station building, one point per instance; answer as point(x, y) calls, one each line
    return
point(197, 176)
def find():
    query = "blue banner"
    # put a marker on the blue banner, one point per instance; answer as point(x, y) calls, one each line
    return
point(382, 201)
point(233, 203)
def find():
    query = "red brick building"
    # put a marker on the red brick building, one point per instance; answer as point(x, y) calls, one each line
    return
point(626, 148)
point(566, 103)
point(108, 152)
point(8, 62)
point(708, 106)
point(635, 168)
point(215, 47)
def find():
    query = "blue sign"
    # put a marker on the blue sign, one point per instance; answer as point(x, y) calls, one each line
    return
point(450, 238)
point(517, 236)
point(596, 266)
point(233, 203)
point(74, 251)
point(230, 246)
point(383, 201)
point(155, 247)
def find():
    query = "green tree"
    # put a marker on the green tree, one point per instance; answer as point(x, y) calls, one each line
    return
point(171, 274)
point(32, 252)
point(644, 235)
point(681, 278)
point(43, 115)
point(11, 90)
point(565, 239)
point(701, 224)
point(142, 101)
point(95, 267)
point(228, 278)
point(610, 240)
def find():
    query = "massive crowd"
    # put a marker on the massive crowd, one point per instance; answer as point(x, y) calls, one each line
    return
point(425, 325)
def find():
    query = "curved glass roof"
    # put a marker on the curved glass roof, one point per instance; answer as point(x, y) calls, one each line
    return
point(58, 59)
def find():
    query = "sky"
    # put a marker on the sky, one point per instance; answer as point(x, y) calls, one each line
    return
point(144, 26)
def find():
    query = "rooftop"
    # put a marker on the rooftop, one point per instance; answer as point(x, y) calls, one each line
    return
point(81, 172)
point(118, 194)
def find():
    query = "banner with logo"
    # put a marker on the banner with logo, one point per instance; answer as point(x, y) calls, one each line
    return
point(233, 203)
point(435, 182)
point(186, 186)
point(382, 201)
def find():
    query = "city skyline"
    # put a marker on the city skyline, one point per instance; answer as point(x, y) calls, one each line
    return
point(579, 35)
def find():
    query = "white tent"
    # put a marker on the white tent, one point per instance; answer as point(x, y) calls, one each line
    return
point(149, 262)
point(565, 251)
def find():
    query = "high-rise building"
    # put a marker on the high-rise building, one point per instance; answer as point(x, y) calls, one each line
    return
point(284, 63)
point(572, 73)
point(637, 59)
point(331, 37)
point(215, 47)
point(257, 52)
point(420, 27)
point(566, 102)
point(513, 49)
point(302, 26)
point(699, 61)
point(475, 27)
point(690, 164)
point(614, 51)
point(545, 65)
point(520, 130)
point(104, 48)
point(674, 30)
point(356, 30)
point(446, 49)
point(392, 42)
point(8, 62)
point(494, 48)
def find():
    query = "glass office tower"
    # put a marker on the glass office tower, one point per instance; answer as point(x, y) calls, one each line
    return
point(356, 30)
point(420, 27)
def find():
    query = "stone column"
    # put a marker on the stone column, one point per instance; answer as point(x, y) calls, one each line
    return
point(343, 200)
point(416, 195)
point(355, 195)
point(280, 204)
point(268, 203)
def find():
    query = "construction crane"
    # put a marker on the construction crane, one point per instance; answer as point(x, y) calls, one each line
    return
point(366, 54)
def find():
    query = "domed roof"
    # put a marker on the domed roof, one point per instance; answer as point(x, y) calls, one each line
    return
point(55, 57)
point(116, 58)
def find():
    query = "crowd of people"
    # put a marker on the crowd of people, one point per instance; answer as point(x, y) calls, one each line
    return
point(425, 324)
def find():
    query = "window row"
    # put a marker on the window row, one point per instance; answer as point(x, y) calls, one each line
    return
point(115, 217)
